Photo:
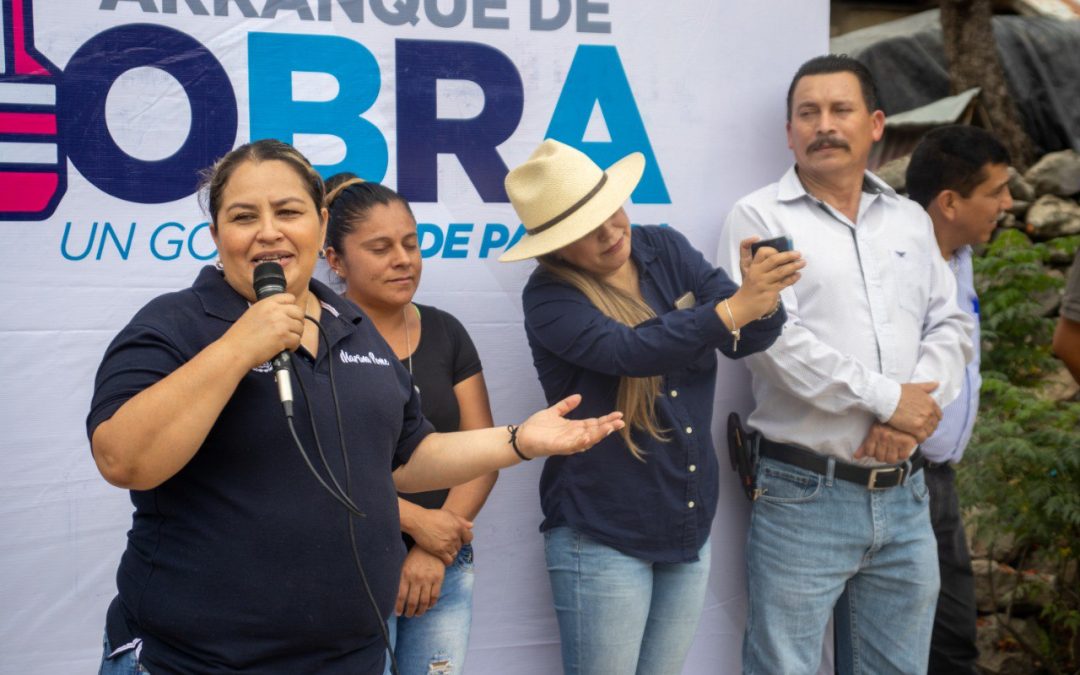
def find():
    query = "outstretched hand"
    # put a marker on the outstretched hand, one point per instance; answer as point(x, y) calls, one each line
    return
point(548, 432)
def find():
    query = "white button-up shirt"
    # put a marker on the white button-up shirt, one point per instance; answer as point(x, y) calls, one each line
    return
point(875, 307)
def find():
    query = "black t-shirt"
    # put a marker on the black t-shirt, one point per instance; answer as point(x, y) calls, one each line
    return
point(444, 356)
point(240, 561)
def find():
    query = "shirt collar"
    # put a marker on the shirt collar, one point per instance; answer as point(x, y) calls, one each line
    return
point(641, 250)
point(961, 257)
point(220, 300)
point(791, 188)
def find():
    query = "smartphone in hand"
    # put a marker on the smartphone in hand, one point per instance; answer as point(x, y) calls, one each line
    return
point(781, 244)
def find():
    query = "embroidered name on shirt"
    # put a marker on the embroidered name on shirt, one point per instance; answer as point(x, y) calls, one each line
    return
point(264, 367)
point(370, 358)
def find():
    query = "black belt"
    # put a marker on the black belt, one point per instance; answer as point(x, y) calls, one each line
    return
point(873, 477)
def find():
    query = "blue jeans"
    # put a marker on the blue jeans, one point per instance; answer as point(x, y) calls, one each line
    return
point(435, 642)
point(619, 614)
point(810, 537)
point(124, 662)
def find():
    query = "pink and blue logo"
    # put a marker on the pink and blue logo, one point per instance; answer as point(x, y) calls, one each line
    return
point(48, 117)
point(33, 167)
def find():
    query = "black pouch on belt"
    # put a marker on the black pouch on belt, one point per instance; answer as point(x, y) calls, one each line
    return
point(742, 450)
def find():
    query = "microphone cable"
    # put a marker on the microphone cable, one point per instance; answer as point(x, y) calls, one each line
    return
point(348, 487)
point(338, 497)
point(342, 496)
point(269, 279)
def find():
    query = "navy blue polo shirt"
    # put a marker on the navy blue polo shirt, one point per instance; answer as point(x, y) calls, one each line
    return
point(240, 561)
point(660, 509)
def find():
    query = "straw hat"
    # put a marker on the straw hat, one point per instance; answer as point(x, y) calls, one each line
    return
point(561, 195)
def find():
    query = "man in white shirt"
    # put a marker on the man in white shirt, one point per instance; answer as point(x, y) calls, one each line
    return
point(960, 175)
point(873, 348)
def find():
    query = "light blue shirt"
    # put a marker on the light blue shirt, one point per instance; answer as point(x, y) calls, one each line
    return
point(958, 419)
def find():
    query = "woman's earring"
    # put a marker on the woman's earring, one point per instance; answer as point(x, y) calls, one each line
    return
point(218, 265)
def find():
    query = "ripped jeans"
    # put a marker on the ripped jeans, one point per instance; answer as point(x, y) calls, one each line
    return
point(121, 661)
point(435, 643)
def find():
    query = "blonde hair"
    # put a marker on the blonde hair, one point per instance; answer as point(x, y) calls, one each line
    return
point(637, 395)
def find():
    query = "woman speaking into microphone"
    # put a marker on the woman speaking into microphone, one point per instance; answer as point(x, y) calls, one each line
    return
point(255, 538)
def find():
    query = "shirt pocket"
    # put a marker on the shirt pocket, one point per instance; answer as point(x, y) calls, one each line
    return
point(910, 280)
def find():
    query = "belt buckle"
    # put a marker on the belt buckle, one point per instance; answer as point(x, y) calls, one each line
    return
point(871, 484)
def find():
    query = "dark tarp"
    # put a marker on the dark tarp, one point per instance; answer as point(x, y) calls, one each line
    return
point(1041, 57)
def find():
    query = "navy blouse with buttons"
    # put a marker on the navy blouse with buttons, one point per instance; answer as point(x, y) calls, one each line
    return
point(661, 509)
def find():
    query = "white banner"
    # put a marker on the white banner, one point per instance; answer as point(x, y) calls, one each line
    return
point(108, 108)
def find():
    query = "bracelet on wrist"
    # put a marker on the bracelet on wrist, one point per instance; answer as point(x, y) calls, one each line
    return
point(736, 333)
point(513, 429)
point(773, 311)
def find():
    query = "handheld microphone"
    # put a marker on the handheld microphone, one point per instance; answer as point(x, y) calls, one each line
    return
point(270, 280)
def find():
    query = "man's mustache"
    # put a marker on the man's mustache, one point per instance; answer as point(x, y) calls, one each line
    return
point(828, 142)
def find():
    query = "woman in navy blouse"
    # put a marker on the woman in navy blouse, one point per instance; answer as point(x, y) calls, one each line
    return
point(630, 318)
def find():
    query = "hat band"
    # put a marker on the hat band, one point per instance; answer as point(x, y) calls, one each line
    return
point(568, 212)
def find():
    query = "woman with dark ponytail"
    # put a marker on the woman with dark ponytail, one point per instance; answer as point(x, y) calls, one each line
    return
point(372, 246)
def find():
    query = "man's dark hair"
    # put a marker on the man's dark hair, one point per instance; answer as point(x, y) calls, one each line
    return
point(952, 158)
point(837, 63)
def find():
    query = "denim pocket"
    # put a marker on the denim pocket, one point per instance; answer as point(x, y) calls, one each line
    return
point(919, 491)
point(782, 484)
